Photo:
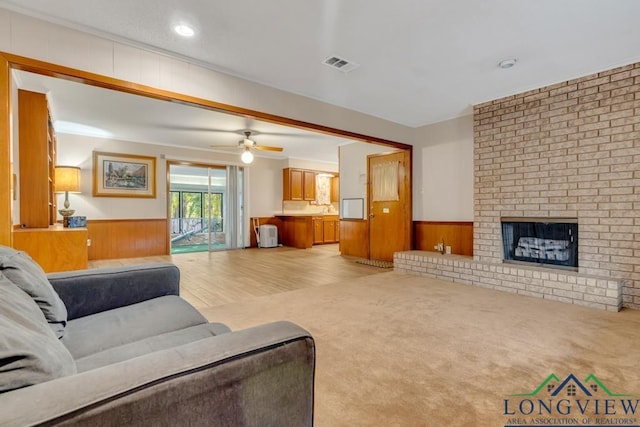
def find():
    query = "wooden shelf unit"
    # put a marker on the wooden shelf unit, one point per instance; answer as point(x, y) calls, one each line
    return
point(37, 146)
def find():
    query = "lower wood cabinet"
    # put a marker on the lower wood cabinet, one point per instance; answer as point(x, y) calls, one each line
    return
point(54, 248)
point(318, 230)
point(326, 229)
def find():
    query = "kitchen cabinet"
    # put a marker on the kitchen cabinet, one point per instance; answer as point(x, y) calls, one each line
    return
point(37, 145)
point(318, 230)
point(329, 231)
point(297, 231)
point(335, 189)
point(326, 229)
point(298, 184)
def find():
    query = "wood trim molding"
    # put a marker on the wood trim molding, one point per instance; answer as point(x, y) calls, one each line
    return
point(457, 234)
point(5, 154)
point(60, 71)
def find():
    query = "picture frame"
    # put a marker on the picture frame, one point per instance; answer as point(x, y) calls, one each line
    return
point(123, 175)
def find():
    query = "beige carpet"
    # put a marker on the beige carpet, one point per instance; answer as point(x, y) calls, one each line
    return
point(402, 350)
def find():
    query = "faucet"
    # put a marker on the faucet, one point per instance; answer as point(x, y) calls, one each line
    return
point(441, 247)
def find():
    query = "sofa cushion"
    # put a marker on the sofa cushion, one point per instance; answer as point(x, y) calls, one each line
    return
point(98, 332)
point(19, 268)
point(149, 345)
point(30, 353)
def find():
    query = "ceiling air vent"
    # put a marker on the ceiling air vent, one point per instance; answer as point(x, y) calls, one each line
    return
point(341, 64)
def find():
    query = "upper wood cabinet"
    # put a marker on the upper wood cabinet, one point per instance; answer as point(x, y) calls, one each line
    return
point(335, 189)
point(309, 185)
point(37, 148)
point(298, 184)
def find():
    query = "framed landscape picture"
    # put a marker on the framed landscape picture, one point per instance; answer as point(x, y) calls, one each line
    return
point(123, 175)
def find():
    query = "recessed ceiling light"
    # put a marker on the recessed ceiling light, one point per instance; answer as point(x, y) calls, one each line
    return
point(507, 63)
point(184, 30)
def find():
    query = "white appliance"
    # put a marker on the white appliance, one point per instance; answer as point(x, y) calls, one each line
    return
point(268, 236)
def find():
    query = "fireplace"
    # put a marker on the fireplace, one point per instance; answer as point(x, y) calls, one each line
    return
point(551, 242)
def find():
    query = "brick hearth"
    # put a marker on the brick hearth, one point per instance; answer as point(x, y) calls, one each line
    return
point(558, 285)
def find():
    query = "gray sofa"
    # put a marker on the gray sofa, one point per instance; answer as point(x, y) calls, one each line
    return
point(119, 347)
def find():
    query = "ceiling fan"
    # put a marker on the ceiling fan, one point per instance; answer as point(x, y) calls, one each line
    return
point(246, 145)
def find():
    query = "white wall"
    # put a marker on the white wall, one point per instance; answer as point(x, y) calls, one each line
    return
point(443, 158)
point(49, 42)
point(443, 171)
point(353, 170)
point(312, 165)
point(265, 187)
point(264, 178)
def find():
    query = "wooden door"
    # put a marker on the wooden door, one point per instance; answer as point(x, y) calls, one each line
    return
point(390, 218)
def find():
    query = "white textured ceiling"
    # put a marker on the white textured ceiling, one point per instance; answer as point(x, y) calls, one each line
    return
point(422, 61)
point(110, 114)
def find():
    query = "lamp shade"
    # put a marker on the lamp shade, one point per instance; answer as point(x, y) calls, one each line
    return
point(67, 179)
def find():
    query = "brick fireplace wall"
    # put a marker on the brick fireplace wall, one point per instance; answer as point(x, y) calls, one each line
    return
point(567, 150)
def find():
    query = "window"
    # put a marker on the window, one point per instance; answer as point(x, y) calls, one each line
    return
point(550, 387)
point(190, 211)
point(571, 390)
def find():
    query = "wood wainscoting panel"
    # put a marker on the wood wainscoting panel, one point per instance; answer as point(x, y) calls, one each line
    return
point(127, 238)
point(457, 234)
point(354, 238)
point(264, 220)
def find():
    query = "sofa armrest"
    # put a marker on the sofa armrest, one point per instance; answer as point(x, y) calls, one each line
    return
point(91, 291)
point(262, 376)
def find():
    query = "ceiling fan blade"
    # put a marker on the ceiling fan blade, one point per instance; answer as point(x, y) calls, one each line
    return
point(267, 148)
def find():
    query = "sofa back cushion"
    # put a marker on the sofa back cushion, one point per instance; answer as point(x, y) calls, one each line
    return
point(25, 273)
point(30, 353)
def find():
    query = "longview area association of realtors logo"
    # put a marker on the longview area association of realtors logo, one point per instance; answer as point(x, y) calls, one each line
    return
point(571, 402)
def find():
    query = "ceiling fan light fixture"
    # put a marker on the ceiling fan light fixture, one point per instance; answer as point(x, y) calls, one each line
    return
point(247, 156)
point(184, 30)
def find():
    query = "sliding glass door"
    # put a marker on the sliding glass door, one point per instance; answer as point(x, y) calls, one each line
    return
point(206, 207)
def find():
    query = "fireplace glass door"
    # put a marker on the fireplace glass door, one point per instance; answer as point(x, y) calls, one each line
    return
point(541, 241)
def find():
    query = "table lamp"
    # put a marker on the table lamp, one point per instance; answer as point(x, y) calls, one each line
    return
point(67, 180)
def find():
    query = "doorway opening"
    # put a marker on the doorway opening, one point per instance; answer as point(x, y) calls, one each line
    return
point(205, 207)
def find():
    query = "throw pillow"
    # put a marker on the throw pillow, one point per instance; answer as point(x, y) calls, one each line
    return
point(30, 353)
point(23, 271)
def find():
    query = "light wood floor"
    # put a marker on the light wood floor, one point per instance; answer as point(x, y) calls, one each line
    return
point(214, 278)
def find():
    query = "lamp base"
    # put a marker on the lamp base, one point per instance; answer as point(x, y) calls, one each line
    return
point(66, 213)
